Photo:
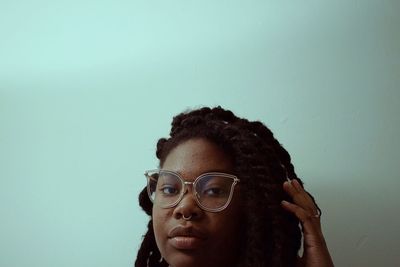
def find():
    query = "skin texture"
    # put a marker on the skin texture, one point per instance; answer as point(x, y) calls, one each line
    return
point(220, 230)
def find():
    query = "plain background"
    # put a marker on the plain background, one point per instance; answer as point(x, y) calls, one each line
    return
point(87, 88)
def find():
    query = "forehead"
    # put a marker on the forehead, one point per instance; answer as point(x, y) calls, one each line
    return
point(196, 156)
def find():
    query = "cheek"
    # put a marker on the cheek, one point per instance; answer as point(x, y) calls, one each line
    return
point(160, 217)
point(228, 224)
point(231, 224)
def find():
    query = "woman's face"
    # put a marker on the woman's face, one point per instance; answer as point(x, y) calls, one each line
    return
point(214, 236)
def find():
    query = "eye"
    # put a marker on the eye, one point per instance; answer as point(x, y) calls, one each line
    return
point(168, 185)
point(213, 191)
point(212, 186)
point(169, 190)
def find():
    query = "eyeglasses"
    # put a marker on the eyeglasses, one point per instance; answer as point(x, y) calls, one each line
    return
point(213, 191)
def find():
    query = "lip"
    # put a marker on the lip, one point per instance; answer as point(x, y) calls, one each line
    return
point(186, 237)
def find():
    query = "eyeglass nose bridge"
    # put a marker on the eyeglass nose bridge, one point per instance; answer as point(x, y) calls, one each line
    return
point(186, 189)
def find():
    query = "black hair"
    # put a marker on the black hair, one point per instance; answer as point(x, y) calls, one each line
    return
point(272, 236)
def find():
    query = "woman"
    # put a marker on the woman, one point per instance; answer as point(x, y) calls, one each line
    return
point(226, 194)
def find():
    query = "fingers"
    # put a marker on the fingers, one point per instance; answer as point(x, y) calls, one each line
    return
point(301, 198)
point(300, 213)
point(303, 207)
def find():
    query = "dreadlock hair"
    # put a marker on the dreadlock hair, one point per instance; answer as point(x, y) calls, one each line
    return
point(272, 236)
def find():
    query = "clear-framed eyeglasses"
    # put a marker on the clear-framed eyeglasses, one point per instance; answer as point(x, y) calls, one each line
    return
point(212, 191)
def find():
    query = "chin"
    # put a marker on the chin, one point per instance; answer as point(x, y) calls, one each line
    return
point(185, 259)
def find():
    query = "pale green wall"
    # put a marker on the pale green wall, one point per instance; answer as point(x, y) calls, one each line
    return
point(87, 87)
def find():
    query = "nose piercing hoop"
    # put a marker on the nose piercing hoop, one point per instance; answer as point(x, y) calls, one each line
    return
point(186, 218)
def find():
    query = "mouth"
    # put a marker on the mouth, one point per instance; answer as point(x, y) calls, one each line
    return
point(186, 238)
point(186, 242)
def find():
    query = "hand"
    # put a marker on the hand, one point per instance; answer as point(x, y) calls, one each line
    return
point(316, 252)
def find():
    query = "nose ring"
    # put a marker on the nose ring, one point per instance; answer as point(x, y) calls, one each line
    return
point(186, 218)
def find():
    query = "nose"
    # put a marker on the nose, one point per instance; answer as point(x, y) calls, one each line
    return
point(188, 207)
